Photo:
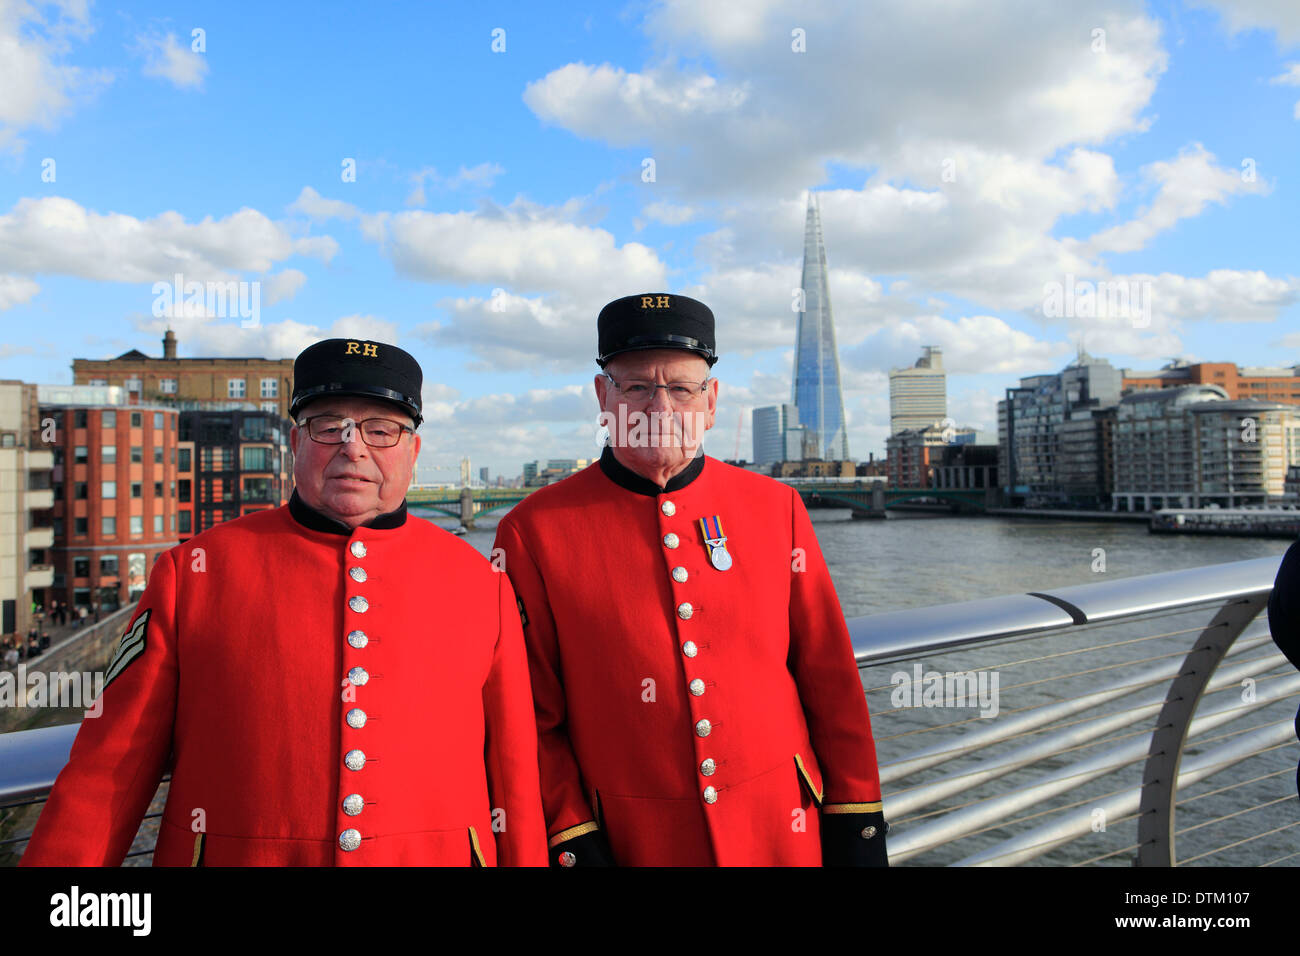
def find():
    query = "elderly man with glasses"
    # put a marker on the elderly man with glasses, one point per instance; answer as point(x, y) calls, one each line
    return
point(337, 683)
point(697, 698)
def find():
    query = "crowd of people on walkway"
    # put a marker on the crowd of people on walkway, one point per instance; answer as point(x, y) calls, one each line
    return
point(46, 625)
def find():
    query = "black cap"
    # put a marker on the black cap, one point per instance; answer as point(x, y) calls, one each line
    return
point(355, 367)
point(656, 320)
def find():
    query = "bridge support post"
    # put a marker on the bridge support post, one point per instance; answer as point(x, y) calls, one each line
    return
point(878, 497)
point(467, 507)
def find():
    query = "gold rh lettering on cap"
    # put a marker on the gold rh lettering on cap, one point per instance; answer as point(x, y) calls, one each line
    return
point(663, 302)
point(371, 350)
point(647, 302)
point(354, 348)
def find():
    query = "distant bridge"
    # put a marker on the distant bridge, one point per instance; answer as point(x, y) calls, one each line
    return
point(863, 498)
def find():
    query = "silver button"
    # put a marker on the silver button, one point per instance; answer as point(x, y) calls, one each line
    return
point(567, 859)
point(350, 839)
point(355, 759)
point(356, 718)
point(359, 604)
point(358, 676)
point(358, 549)
point(357, 574)
point(671, 540)
point(689, 649)
point(668, 508)
point(708, 767)
point(710, 795)
point(703, 728)
point(684, 610)
point(697, 687)
point(353, 804)
point(358, 639)
point(868, 833)
point(680, 575)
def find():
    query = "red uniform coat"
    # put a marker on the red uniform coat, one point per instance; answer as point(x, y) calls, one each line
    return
point(268, 649)
point(625, 613)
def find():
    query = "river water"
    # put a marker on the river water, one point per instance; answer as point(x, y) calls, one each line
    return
point(918, 560)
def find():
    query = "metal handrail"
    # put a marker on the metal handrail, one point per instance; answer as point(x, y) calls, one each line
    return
point(1160, 718)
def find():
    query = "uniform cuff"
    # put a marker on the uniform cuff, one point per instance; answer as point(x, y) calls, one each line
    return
point(583, 845)
point(853, 838)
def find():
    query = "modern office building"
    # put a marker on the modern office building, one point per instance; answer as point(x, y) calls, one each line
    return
point(193, 383)
point(966, 466)
point(556, 469)
point(27, 477)
point(242, 463)
point(1245, 449)
point(1267, 384)
point(1291, 486)
point(918, 396)
point(778, 436)
point(1054, 434)
point(816, 392)
point(114, 492)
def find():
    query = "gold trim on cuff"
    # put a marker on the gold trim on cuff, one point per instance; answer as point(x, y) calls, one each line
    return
point(198, 849)
point(817, 794)
point(569, 834)
point(853, 807)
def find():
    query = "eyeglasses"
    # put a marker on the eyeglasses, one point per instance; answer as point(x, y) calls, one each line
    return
point(638, 392)
point(375, 432)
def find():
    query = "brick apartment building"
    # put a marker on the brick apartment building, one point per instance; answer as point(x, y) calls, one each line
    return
point(1263, 384)
point(191, 383)
point(114, 492)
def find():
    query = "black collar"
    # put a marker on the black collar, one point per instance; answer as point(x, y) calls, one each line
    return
point(625, 477)
point(309, 517)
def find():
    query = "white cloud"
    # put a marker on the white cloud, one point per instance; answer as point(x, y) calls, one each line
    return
point(1290, 78)
point(59, 236)
point(1282, 16)
point(38, 86)
point(201, 336)
point(171, 60)
point(282, 286)
point(1001, 79)
point(313, 205)
point(1185, 186)
point(670, 214)
point(15, 290)
point(971, 345)
point(481, 176)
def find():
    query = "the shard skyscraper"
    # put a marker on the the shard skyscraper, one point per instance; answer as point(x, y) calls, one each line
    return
point(816, 361)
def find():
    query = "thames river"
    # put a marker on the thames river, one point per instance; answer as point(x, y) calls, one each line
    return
point(917, 560)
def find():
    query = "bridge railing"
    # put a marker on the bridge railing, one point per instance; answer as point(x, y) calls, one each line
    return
point(1144, 720)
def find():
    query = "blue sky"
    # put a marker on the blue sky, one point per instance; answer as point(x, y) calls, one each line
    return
point(969, 156)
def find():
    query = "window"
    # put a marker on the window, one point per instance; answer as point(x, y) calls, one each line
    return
point(183, 490)
point(81, 567)
point(137, 419)
point(108, 565)
point(167, 386)
point(108, 489)
point(257, 489)
point(108, 419)
point(157, 455)
point(80, 491)
point(185, 522)
point(99, 381)
point(270, 388)
point(80, 455)
point(157, 524)
point(137, 524)
point(136, 490)
point(272, 408)
point(79, 418)
point(253, 429)
point(133, 384)
point(108, 526)
point(108, 454)
point(157, 489)
point(80, 526)
point(173, 521)
point(235, 388)
point(137, 454)
point(184, 461)
point(58, 527)
point(58, 490)
point(158, 420)
point(257, 459)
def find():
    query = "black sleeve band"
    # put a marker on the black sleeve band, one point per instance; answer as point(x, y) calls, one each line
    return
point(589, 849)
point(854, 839)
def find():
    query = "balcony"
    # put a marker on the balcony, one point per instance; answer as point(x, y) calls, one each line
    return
point(39, 576)
point(40, 499)
point(39, 538)
point(40, 460)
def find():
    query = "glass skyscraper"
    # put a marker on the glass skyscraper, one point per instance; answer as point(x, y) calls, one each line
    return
point(816, 362)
